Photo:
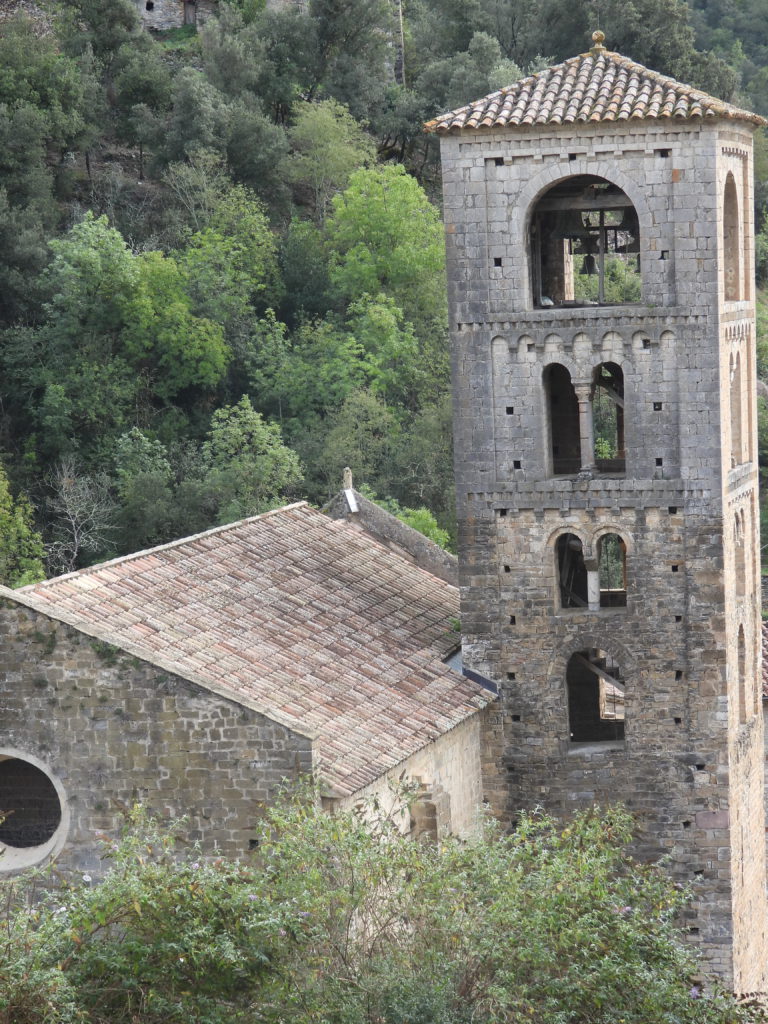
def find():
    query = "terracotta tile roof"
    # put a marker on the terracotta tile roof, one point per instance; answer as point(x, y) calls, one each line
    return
point(303, 618)
point(595, 86)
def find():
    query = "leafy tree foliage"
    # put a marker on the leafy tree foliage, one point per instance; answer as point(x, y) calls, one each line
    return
point(103, 29)
point(327, 146)
point(250, 469)
point(21, 546)
point(163, 338)
point(385, 236)
point(345, 918)
point(43, 98)
point(272, 232)
point(231, 264)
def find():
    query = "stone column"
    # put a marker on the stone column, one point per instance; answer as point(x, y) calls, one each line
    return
point(593, 589)
point(584, 398)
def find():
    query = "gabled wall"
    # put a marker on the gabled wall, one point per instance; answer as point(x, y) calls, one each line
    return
point(450, 772)
point(111, 730)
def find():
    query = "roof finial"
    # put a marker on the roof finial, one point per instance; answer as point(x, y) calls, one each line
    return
point(598, 38)
point(347, 479)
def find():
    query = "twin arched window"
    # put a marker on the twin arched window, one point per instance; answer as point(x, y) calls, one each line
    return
point(601, 583)
point(586, 427)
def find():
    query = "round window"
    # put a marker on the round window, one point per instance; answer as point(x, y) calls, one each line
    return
point(33, 811)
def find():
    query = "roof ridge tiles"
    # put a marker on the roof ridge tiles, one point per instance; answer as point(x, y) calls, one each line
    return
point(602, 86)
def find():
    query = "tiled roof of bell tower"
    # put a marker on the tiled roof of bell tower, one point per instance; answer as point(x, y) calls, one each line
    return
point(595, 86)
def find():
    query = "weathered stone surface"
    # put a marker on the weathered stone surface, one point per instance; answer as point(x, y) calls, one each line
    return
point(687, 643)
point(115, 730)
point(166, 14)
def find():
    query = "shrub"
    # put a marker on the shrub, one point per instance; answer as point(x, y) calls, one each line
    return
point(343, 919)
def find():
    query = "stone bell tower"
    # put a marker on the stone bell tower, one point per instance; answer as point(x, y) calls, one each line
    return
point(599, 227)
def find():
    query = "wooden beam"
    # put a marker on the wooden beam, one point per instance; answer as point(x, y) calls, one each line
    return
point(599, 672)
point(613, 395)
point(598, 202)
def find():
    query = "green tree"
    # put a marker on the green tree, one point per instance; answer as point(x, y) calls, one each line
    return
point(304, 266)
point(353, 51)
point(234, 53)
point(199, 119)
point(255, 149)
point(90, 27)
point(250, 469)
point(163, 338)
point(81, 387)
point(327, 146)
point(231, 265)
point(144, 478)
point(386, 236)
point(324, 365)
point(360, 434)
point(119, 339)
point(44, 112)
point(460, 78)
point(36, 73)
point(271, 55)
point(423, 462)
point(142, 94)
point(197, 186)
point(92, 277)
point(391, 349)
point(21, 546)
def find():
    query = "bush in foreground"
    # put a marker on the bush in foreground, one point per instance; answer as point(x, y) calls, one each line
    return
point(342, 920)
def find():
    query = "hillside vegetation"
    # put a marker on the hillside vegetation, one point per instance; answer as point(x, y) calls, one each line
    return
point(221, 257)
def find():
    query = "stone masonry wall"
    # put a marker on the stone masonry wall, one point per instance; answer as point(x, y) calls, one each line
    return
point(114, 730)
point(449, 769)
point(396, 535)
point(690, 765)
point(162, 15)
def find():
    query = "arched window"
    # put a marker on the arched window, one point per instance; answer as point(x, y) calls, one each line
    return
point(585, 245)
point(731, 241)
point(563, 408)
point(740, 555)
point(742, 668)
point(608, 418)
point(571, 572)
point(595, 697)
point(612, 567)
point(737, 456)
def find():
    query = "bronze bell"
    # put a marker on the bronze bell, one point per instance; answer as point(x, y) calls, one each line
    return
point(569, 224)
